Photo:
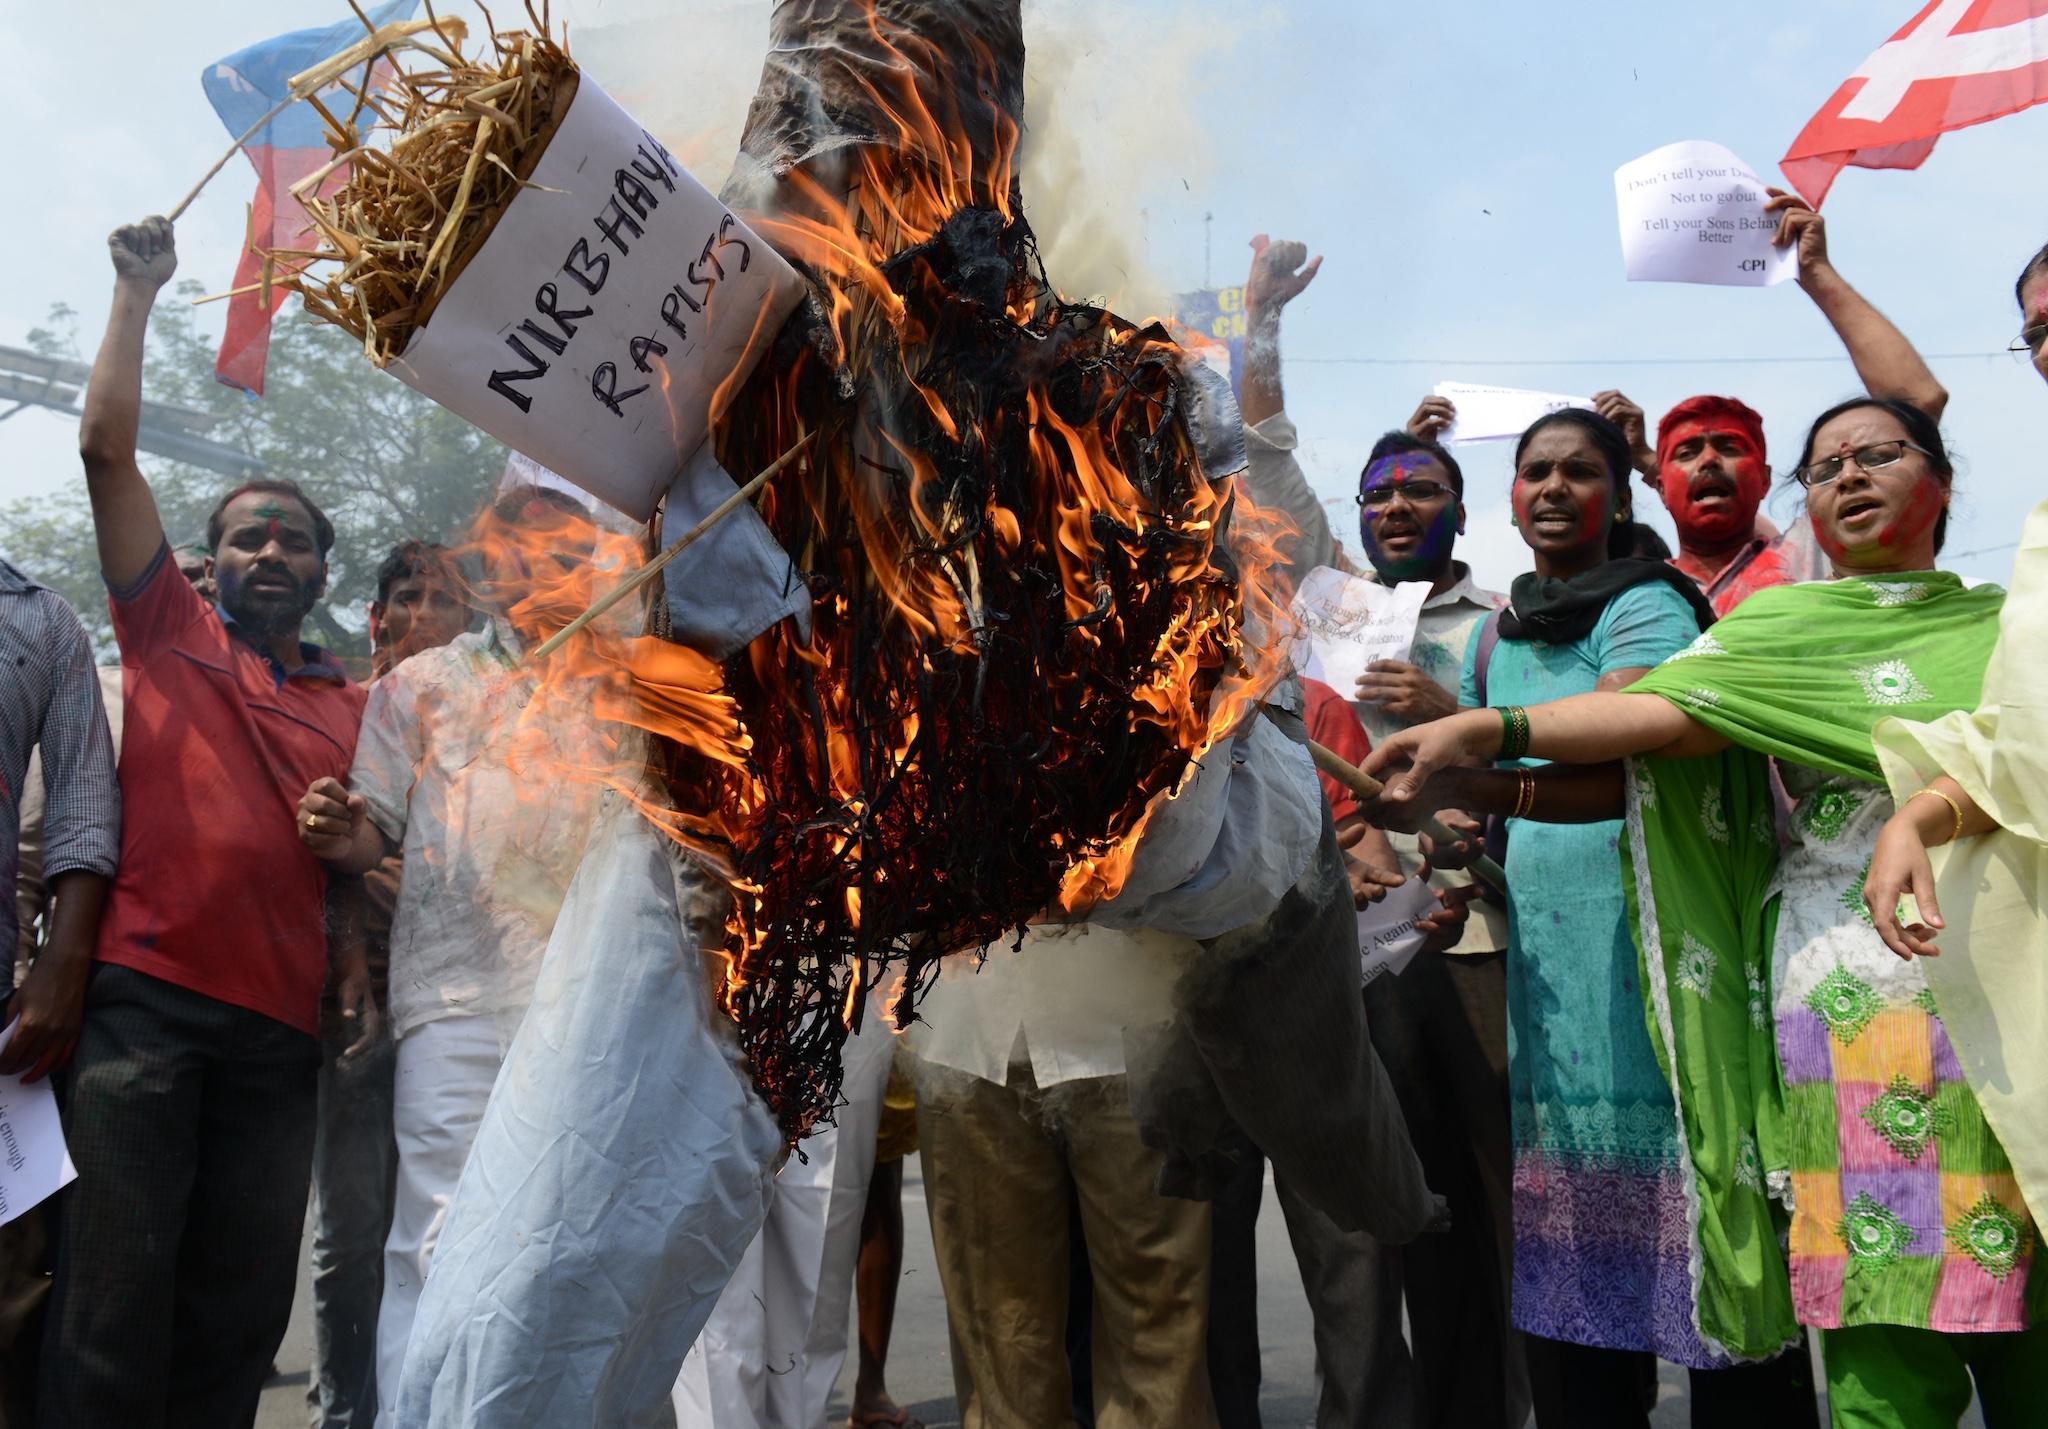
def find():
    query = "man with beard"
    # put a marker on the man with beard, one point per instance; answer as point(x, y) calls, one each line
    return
point(1441, 1026)
point(192, 1097)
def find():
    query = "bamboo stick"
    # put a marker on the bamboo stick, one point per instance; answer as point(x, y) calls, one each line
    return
point(647, 572)
point(1366, 787)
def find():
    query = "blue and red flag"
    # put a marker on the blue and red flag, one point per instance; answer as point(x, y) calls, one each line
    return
point(291, 146)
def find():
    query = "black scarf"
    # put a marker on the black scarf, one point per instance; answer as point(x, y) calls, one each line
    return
point(1559, 612)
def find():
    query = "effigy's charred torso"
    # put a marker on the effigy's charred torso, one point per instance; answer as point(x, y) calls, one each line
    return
point(1023, 605)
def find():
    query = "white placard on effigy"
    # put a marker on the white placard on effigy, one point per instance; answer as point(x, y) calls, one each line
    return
point(1492, 414)
point(34, 1163)
point(610, 303)
point(1347, 623)
point(1387, 935)
point(1694, 213)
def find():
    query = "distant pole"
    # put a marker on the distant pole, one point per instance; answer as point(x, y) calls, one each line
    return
point(1208, 222)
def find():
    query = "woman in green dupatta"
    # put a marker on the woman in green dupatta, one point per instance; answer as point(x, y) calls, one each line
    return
point(1910, 1244)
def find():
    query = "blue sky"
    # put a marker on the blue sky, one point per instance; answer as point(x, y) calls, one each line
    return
point(1454, 163)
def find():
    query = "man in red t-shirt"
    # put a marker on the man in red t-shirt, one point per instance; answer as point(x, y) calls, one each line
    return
point(192, 1096)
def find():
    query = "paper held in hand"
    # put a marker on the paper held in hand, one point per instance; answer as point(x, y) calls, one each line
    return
point(612, 300)
point(1492, 414)
point(1694, 213)
point(1347, 623)
point(1387, 935)
point(34, 1164)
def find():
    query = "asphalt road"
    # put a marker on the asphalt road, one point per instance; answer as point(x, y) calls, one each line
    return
point(920, 1372)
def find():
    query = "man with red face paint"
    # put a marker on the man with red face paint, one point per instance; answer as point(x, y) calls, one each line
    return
point(1440, 1028)
point(1709, 464)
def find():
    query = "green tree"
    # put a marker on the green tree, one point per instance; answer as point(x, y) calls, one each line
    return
point(384, 462)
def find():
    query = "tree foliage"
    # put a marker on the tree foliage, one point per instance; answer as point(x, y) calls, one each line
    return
point(384, 462)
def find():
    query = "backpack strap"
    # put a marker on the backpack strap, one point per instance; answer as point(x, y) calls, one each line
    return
point(1489, 636)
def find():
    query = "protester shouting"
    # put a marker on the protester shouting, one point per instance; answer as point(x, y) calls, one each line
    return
point(1598, 1288)
point(193, 1088)
point(1910, 1244)
point(1440, 1027)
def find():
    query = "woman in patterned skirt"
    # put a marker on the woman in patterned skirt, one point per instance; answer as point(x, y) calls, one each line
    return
point(1807, 1064)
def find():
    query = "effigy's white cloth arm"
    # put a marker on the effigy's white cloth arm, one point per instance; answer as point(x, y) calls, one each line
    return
point(623, 1166)
point(1991, 980)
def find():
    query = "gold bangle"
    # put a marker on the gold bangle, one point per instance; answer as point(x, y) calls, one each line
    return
point(1953, 808)
point(1525, 794)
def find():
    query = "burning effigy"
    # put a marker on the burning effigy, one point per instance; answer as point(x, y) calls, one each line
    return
point(1026, 614)
point(989, 643)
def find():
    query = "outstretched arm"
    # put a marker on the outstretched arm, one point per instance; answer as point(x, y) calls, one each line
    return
point(1582, 729)
point(1887, 362)
point(124, 511)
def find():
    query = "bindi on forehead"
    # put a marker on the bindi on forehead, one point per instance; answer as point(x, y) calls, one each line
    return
point(1399, 469)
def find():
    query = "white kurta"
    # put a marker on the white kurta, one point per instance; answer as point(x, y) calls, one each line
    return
point(772, 1349)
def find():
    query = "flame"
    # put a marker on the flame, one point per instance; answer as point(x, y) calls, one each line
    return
point(844, 779)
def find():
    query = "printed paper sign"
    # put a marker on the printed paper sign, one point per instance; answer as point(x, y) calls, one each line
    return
point(1387, 935)
point(1347, 623)
point(611, 301)
point(1694, 213)
point(1492, 414)
point(34, 1164)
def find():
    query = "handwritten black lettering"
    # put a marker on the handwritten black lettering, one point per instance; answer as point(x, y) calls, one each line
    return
point(544, 303)
point(641, 346)
point(604, 385)
point(501, 381)
point(708, 257)
point(647, 166)
point(650, 143)
point(612, 220)
point(636, 194)
point(725, 226)
point(672, 312)
point(546, 339)
point(594, 266)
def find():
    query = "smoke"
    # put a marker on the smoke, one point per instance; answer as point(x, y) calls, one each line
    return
point(1119, 99)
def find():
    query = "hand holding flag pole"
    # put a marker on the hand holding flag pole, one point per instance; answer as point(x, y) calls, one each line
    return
point(1366, 787)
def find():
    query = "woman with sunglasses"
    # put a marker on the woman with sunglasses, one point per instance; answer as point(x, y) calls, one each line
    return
point(1808, 1064)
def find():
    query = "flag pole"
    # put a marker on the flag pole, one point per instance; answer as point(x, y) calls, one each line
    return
point(222, 162)
point(1366, 787)
point(689, 538)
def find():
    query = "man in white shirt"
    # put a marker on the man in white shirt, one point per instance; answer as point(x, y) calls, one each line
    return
point(1022, 1100)
point(477, 800)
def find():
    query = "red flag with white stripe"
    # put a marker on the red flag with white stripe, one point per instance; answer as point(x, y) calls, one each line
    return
point(1956, 63)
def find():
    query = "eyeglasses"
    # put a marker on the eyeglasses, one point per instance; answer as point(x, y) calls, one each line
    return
point(2029, 341)
point(1875, 457)
point(1379, 498)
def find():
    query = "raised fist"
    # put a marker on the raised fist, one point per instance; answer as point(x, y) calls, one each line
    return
point(145, 252)
point(1278, 273)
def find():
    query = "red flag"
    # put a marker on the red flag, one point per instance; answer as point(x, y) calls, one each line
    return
point(1956, 63)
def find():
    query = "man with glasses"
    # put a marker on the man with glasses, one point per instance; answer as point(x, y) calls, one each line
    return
point(1441, 1026)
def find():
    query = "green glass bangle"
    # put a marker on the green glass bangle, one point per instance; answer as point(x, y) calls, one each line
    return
point(1514, 732)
